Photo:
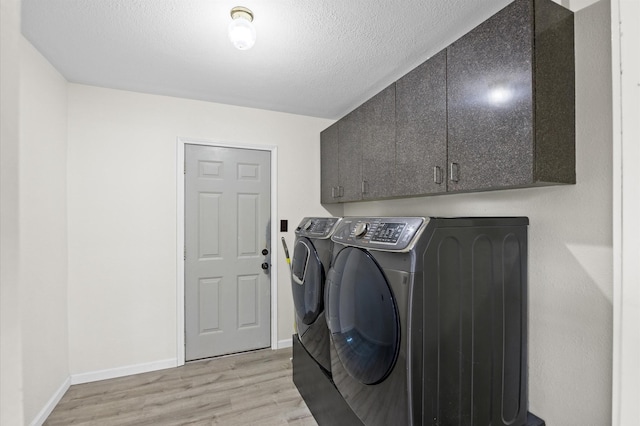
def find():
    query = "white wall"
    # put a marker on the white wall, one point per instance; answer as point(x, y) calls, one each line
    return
point(122, 213)
point(570, 248)
point(11, 394)
point(34, 354)
point(43, 229)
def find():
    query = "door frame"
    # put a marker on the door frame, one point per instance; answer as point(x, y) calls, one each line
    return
point(180, 237)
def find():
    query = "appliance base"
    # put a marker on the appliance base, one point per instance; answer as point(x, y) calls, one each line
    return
point(533, 420)
point(318, 391)
point(323, 399)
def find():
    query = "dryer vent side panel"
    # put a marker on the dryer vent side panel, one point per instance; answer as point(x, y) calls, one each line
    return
point(475, 331)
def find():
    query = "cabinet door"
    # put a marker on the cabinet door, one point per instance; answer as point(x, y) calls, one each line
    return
point(421, 128)
point(352, 131)
point(379, 145)
point(329, 178)
point(490, 103)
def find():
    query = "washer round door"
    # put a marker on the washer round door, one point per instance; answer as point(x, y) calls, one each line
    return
point(362, 316)
point(307, 281)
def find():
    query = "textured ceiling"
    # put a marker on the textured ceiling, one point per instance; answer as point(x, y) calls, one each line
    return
point(317, 58)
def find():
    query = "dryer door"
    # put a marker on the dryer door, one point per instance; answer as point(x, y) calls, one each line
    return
point(307, 281)
point(362, 316)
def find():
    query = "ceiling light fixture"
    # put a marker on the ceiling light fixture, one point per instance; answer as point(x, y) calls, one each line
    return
point(241, 31)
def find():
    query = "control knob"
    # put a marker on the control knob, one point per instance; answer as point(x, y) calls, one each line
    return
point(361, 229)
point(308, 225)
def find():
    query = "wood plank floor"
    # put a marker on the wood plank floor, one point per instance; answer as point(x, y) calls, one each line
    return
point(254, 388)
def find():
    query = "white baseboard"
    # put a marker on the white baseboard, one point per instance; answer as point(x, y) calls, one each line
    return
point(112, 373)
point(286, 343)
point(51, 404)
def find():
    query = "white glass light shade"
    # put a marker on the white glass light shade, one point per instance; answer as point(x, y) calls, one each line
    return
point(242, 33)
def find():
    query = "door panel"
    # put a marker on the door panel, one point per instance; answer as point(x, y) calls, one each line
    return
point(421, 129)
point(329, 168)
point(351, 132)
point(490, 103)
point(248, 212)
point(379, 146)
point(362, 316)
point(227, 225)
point(307, 284)
point(209, 294)
point(248, 291)
point(209, 225)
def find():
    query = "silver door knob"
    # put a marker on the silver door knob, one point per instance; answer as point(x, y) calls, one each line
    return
point(265, 266)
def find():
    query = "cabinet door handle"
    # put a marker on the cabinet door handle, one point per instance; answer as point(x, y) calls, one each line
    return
point(333, 192)
point(437, 175)
point(340, 191)
point(365, 186)
point(454, 172)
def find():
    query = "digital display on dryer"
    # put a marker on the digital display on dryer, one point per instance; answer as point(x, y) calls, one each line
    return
point(388, 233)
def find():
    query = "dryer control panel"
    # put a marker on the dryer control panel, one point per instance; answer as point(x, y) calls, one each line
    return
point(317, 227)
point(382, 233)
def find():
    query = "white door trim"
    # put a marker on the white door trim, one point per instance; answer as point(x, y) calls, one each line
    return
point(626, 209)
point(180, 322)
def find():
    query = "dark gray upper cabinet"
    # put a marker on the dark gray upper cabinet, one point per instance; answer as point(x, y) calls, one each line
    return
point(351, 131)
point(379, 145)
point(494, 110)
point(421, 129)
point(510, 84)
point(358, 152)
point(341, 159)
point(329, 168)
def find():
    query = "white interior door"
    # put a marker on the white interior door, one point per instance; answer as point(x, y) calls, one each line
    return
point(227, 247)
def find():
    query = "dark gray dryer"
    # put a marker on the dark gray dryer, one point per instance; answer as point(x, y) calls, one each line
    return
point(428, 320)
point(311, 257)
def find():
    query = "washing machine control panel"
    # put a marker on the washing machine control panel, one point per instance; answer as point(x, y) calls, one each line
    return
point(388, 233)
point(317, 227)
point(383, 233)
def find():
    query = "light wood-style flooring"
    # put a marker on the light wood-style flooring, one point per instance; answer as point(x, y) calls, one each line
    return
point(253, 388)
